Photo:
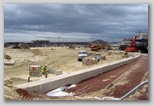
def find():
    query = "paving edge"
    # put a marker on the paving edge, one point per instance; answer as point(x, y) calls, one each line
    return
point(46, 85)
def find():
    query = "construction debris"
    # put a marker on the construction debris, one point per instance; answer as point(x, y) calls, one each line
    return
point(89, 61)
point(35, 71)
point(21, 46)
point(93, 59)
point(71, 47)
point(109, 53)
point(126, 55)
point(9, 62)
point(103, 58)
point(16, 47)
point(7, 57)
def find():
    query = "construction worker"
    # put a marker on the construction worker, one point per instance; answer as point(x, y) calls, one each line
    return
point(44, 69)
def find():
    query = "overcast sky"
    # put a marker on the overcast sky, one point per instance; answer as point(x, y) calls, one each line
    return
point(69, 22)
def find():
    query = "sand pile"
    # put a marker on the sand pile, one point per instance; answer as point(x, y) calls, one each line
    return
point(58, 58)
point(21, 46)
point(7, 56)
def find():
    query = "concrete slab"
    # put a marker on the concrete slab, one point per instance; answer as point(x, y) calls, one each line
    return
point(52, 71)
point(9, 62)
point(58, 72)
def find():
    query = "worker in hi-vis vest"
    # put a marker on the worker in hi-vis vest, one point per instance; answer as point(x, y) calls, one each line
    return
point(44, 69)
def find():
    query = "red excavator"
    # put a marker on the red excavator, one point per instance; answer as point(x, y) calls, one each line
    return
point(132, 47)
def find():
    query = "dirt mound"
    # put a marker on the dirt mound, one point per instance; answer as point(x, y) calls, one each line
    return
point(71, 47)
point(7, 56)
point(24, 46)
point(21, 46)
point(36, 52)
point(10, 92)
point(14, 80)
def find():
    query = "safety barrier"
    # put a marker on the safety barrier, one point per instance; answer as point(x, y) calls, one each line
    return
point(133, 90)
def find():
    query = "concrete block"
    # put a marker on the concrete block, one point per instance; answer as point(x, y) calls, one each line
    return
point(9, 62)
point(58, 72)
point(103, 57)
point(52, 71)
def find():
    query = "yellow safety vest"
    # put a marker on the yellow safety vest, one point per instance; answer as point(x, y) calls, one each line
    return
point(44, 70)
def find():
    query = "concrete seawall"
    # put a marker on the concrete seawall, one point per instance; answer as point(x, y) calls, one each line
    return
point(46, 85)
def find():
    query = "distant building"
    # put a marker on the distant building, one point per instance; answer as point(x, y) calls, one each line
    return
point(40, 43)
point(12, 44)
point(124, 43)
point(142, 36)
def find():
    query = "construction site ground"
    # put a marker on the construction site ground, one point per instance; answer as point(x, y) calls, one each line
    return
point(114, 83)
point(117, 82)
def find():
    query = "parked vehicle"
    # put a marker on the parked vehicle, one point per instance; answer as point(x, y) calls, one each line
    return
point(96, 47)
point(82, 54)
point(142, 47)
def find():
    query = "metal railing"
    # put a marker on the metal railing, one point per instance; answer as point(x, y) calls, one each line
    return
point(133, 90)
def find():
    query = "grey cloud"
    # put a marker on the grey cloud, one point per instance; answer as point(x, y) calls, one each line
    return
point(68, 18)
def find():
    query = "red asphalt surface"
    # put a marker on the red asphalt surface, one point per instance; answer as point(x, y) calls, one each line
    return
point(137, 70)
